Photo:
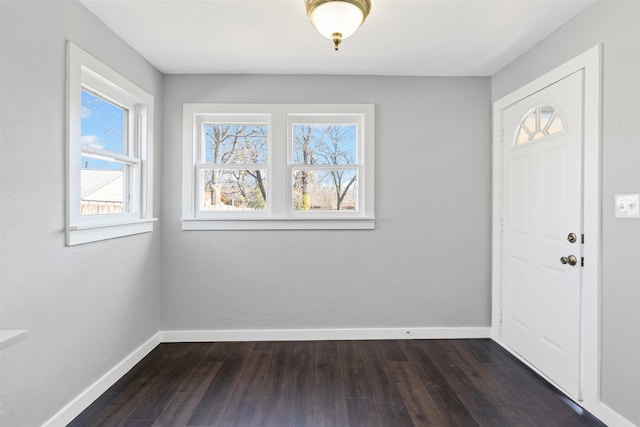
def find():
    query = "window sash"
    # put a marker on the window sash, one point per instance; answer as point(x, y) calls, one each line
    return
point(329, 193)
point(201, 120)
point(129, 173)
point(201, 191)
point(109, 155)
point(131, 118)
point(327, 119)
point(321, 120)
point(202, 153)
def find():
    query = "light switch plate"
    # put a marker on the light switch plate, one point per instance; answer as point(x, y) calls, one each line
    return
point(627, 206)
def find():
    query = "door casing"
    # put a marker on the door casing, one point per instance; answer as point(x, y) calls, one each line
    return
point(590, 62)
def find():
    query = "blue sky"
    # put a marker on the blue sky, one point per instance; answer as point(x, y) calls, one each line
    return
point(323, 143)
point(102, 127)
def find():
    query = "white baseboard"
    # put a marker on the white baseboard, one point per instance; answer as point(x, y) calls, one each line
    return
point(608, 415)
point(325, 334)
point(95, 390)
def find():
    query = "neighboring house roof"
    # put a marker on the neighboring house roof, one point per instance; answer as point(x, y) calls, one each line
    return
point(101, 185)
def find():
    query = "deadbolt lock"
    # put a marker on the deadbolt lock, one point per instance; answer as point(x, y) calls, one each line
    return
point(571, 260)
point(572, 238)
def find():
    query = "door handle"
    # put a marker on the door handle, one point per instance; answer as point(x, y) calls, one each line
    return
point(571, 260)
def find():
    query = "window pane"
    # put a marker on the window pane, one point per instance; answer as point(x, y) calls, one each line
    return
point(235, 143)
point(234, 190)
point(529, 122)
point(546, 112)
point(102, 186)
point(324, 144)
point(539, 123)
point(325, 190)
point(556, 125)
point(522, 137)
point(103, 124)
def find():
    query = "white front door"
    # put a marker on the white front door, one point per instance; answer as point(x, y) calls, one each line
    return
point(542, 229)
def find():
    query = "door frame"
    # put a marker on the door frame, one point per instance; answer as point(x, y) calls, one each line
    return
point(590, 313)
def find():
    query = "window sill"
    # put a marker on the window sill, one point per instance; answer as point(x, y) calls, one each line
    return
point(194, 224)
point(87, 233)
point(9, 338)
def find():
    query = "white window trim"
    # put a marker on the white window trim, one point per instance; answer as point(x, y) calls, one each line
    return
point(84, 69)
point(278, 215)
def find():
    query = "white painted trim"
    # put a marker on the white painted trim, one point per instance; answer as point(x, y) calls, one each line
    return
point(88, 396)
point(279, 224)
point(81, 234)
point(230, 335)
point(9, 338)
point(592, 212)
point(591, 63)
point(278, 214)
point(609, 416)
point(85, 70)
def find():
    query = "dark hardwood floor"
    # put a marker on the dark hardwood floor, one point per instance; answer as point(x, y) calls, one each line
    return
point(333, 383)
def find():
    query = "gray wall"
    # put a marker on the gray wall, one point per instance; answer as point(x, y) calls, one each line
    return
point(616, 24)
point(85, 307)
point(425, 265)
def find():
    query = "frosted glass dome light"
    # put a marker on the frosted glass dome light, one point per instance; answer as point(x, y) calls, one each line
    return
point(337, 19)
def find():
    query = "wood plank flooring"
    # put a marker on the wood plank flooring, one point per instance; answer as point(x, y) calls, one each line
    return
point(333, 383)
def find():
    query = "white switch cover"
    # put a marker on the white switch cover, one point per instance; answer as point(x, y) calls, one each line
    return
point(627, 206)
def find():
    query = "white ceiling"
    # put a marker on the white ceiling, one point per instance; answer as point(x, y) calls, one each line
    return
point(400, 37)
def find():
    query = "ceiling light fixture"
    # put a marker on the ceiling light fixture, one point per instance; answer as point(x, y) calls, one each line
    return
point(337, 19)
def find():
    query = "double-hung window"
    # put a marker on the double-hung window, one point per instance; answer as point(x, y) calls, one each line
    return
point(109, 152)
point(278, 166)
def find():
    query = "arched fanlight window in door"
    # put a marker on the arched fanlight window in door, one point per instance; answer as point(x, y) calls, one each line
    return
point(539, 122)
